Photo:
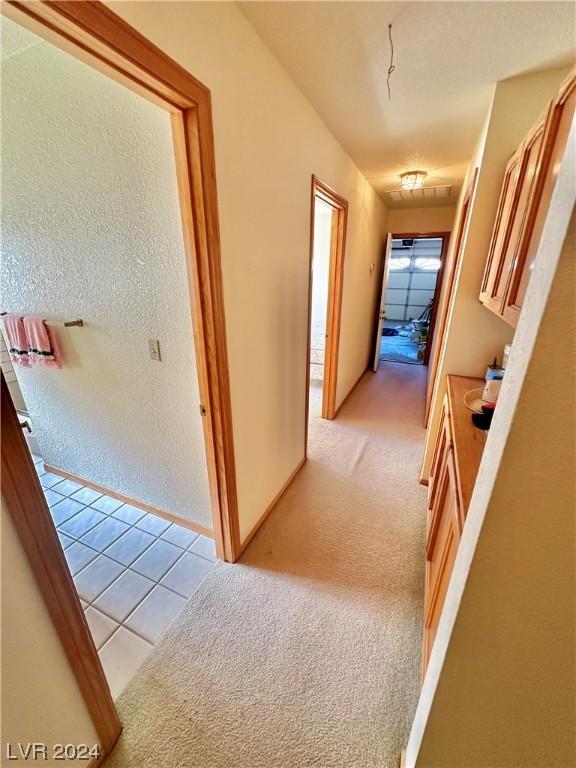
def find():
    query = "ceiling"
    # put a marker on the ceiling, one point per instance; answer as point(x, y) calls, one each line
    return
point(448, 55)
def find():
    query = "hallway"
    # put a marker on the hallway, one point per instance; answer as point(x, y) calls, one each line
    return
point(307, 652)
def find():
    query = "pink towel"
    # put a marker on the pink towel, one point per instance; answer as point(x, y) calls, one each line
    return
point(16, 340)
point(42, 348)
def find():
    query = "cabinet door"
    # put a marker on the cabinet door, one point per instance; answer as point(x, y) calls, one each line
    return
point(493, 285)
point(529, 172)
point(554, 140)
point(442, 546)
point(443, 445)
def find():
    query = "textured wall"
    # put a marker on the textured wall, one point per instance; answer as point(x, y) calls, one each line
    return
point(269, 141)
point(91, 229)
point(41, 700)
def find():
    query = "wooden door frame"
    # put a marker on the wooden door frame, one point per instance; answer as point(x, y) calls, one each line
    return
point(439, 277)
point(383, 280)
point(94, 34)
point(321, 191)
point(450, 277)
point(24, 499)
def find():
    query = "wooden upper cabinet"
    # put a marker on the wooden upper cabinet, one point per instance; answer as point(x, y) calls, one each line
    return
point(554, 143)
point(526, 190)
point(499, 256)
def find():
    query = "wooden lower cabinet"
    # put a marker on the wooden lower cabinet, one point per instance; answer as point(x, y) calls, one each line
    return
point(444, 532)
point(443, 445)
point(457, 455)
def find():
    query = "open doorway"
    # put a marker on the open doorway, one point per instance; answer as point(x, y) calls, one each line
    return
point(102, 41)
point(408, 305)
point(328, 218)
point(323, 214)
point(100, 360)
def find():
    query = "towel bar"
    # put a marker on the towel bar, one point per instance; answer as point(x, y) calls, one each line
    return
point(61, 323)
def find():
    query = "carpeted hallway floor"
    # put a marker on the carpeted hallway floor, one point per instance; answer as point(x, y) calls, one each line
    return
point(307, 652)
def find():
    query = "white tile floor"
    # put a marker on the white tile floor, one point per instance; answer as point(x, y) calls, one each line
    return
point(133, 570)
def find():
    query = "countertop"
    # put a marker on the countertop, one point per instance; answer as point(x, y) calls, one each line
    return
point(468, 440)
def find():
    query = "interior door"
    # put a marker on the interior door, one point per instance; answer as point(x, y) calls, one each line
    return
point(381, 318)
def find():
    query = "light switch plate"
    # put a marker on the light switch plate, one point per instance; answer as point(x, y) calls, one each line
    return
point(154, 349)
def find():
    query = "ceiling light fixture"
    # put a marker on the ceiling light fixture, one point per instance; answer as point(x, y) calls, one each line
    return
point(412, 179)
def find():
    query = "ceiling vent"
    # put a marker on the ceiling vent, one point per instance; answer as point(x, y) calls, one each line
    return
point(420, 195)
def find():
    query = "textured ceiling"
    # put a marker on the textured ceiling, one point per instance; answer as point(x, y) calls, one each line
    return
point(448, 56)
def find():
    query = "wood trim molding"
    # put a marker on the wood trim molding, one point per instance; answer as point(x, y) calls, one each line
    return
point(196, 527)
point(196, 172)
point(444, 306)
point(339, 204)
point(96, 761)
point(272, 504)
point(91, 30)
point(95, 34)
point(334, 319)
point(29, 511)
point(437, 292)
point(415, 235)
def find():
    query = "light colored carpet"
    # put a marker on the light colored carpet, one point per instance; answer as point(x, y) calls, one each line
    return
point(307, 652)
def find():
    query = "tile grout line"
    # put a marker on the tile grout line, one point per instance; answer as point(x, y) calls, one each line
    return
point(155, 582)
point(90, 603)
point(134, 631)
point(157, 537)
point(130, 525)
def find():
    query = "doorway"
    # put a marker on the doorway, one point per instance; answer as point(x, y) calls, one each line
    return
point(411, 285)
point(94, 34)
point(323, 215)
point(130, 502)
point(328, 221)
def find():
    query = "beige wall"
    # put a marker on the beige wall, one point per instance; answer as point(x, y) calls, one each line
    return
point(500, 686)
point(92, 230)
point(475, 335)
point(415, 220)
point(41, 701)
point(269, 141)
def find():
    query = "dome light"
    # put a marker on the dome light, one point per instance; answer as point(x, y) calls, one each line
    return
point(412, 179)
